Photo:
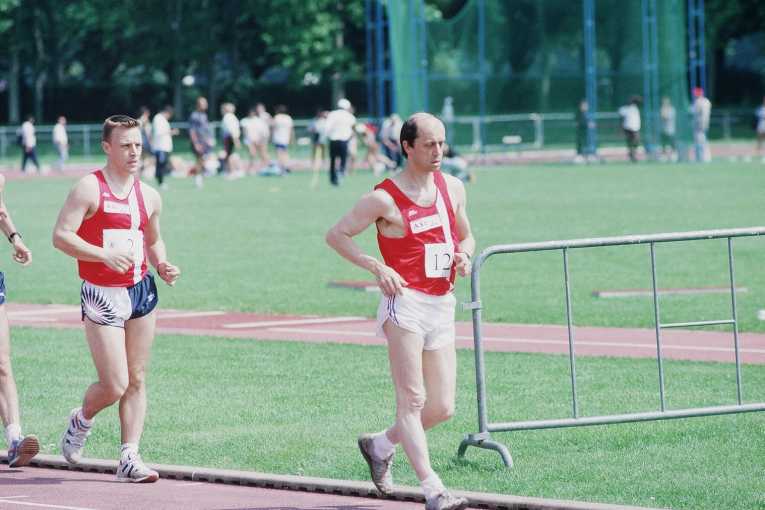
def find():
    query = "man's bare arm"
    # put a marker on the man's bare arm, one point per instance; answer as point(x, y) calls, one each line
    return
point(368, 210)
point(79, 204)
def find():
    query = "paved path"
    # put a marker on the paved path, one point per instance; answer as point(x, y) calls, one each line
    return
point(589, 341)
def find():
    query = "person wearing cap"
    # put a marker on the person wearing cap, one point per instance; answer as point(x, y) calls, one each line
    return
point(702, 109)
point(340, 130)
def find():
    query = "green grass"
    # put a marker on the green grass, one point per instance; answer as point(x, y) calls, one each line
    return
point(257, 244)
point(284, 408)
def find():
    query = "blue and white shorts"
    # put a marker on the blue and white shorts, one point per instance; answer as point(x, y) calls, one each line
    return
point(431, 317)
point(2, 288)
point(112, 306)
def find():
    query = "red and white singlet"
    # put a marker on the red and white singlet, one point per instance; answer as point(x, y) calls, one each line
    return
point(424, 257)
point(118, 222)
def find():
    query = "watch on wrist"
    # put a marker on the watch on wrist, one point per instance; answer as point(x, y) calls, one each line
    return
point(12, 235)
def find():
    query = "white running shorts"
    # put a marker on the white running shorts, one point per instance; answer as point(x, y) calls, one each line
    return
point(432, 317)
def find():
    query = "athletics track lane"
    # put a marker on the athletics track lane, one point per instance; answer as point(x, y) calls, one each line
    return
point(550, 339)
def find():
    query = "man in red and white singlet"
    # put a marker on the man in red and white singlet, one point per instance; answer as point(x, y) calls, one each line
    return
point(110, 224)
point(425, 239)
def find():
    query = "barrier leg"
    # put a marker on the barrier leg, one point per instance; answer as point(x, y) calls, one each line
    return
point(485, 442)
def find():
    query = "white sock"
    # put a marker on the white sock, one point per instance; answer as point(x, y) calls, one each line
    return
point(382, 448)
point(432, 486)
point(84, 421)
point(128, 449)
point(12, 433)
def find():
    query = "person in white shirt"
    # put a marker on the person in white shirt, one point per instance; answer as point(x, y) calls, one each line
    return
point(318, 130)
point(340, 130)
point(29, 144)
point(389, 136)
point(760, 127)
point(630, 114)
point(282, 135)
point(702, 109)
point(231, 135)
point(668, 129)
point(255, 132)
point(162, 143)
point(61, 142)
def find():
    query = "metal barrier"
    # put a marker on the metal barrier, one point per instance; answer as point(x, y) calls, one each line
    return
point(482, 439)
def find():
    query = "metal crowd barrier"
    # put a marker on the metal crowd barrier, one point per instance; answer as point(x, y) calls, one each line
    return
point(483, 439)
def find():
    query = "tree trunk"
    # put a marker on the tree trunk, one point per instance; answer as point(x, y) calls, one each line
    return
point(176, 74)
point(41, 75)
point(14, 115)
point(338, 79)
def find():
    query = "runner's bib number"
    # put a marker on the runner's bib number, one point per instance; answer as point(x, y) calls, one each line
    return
point(125, 239)
point(438, 260)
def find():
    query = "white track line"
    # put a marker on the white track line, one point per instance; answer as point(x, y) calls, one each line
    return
point(293, 322)
point(7, 500)
point(588, 343)
point(31, 319)
point(183, 315)
point(43, 311)
point(189, 484)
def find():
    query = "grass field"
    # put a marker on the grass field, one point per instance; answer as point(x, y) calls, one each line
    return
point(284, 408)
point(257, 244)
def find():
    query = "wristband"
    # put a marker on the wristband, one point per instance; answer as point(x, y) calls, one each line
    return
point(12, 235)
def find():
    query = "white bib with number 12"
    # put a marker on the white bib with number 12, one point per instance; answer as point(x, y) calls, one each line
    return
point(439, 257)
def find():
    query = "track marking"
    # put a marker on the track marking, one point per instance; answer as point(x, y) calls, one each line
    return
point(31, 319)
point(189, 484)
point(184, 315)
point(293, 322)
point(587, 343)
point(7, 499)
point(44, 311)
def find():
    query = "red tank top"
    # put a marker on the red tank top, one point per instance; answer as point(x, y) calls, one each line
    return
point(118, 222)
point(424, 256)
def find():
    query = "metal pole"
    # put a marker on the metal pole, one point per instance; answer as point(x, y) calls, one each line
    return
point(379, 56)
point(423, 63)
point(658, 327)
point(482, 70)
point(692, 42)
point(735, 318)
point(483, 420)
point(570, 320)
point(370, 60)
point(590, 73)
point(702, 46)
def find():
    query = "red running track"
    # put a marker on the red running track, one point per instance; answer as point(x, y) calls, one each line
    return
point(551, 339)
point(28, 488)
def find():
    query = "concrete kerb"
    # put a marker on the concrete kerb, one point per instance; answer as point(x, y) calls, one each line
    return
point(319, 485)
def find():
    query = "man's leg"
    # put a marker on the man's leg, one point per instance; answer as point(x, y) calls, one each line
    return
point(20, 449)
point(139, 337)
point(107, 347)
point(9, 400)
point(439, 368)
point(405, 354)
point(333, 154)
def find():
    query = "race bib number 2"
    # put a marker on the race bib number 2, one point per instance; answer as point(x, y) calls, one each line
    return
point(439, 258)
point(125, 239)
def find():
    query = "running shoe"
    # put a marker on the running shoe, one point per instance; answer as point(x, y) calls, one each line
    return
point(379, 469)
point(132, 469)
point(446, 501)
point(22, 451)
point(74, 438)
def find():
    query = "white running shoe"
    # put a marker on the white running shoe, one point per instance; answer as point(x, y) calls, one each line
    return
point(446, 501)
point(74, 438)
point(132, 469)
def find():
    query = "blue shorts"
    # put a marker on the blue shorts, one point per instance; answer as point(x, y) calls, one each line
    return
point(112, 306)
point(2, 288)
point(280, 146)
